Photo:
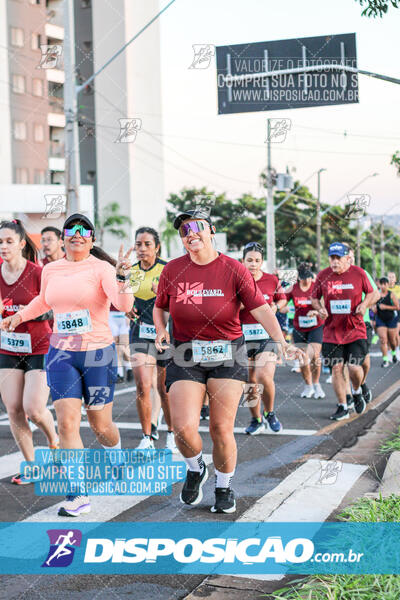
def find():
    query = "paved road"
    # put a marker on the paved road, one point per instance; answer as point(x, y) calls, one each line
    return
point(264, 462)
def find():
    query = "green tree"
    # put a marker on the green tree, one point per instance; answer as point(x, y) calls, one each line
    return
point(396, 161)
point(167, 233)
point(377, 8)
point(112, 222)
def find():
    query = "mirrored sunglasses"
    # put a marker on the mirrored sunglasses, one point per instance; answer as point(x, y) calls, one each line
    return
point(86, 233)
point(254, 245)
point(194, 226)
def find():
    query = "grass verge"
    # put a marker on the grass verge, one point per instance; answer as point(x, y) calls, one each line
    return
point(352, 587)
point(392, 443)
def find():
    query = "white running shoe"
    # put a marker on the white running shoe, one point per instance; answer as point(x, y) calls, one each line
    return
point(308, 392)
point(146, 444)
point(296, 367)
point(318, 391)
point(170, 444)
point(329, 380)
point(73, 506)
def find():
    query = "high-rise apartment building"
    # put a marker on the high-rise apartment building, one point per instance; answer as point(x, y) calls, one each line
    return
point(127, 169)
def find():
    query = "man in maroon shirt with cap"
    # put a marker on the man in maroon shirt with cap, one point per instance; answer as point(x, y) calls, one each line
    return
point(344, 341)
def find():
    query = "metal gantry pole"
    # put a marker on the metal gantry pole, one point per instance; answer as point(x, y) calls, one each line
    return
point(270, 213)
point(72, 166)
point(382, 249)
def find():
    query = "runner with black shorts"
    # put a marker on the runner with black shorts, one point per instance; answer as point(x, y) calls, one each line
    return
point(82, 360)
point(145, 276)
point(366, 365)
point(23, 386)
point(260, 349)
point(307, 332)
point(386, 320)
point(203, 290)
point(344, 339)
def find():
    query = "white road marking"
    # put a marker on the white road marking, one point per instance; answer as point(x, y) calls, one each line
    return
point(302, 497)
point(202, 428)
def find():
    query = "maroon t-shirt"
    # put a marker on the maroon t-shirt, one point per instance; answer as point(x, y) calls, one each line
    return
point(204, 300)
point(20, 293)
point(272, 291)
point(342, 294)
point(302, 304)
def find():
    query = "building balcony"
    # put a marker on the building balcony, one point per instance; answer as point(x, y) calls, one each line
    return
point(56, 104)
point(56, 164)
point(54, 32)
point(56, 149)
point(55, 75)
point(55, 119)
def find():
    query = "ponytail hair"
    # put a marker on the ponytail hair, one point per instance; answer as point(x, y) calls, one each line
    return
point(152, 232)
point(99, 253)
point(29, 251)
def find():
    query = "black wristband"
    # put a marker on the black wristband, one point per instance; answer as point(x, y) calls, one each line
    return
point(122, 278)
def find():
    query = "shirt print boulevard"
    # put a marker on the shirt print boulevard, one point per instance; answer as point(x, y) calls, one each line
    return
point(194, 293)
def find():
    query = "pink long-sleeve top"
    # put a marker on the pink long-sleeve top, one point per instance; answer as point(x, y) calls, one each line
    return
point(88, 286)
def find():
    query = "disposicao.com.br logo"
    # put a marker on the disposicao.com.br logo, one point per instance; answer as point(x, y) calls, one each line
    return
point(191, 550)
point(62, 547)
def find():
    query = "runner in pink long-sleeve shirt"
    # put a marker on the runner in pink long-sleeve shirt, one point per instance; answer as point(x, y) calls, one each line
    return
point(82, 359)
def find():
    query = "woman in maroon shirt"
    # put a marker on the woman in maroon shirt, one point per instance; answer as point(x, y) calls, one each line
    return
point(203, 290)
point(307, 332)
point(260, 349)
point(23, 385)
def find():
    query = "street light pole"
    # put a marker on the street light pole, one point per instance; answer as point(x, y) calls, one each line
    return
point(270, 213)
point(319, 220)
point(72, 167)
point(382, 249)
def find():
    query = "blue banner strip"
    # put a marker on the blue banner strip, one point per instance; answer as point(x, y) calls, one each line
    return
point(199, 548)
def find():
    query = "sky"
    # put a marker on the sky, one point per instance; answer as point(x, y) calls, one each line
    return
point(204, 148)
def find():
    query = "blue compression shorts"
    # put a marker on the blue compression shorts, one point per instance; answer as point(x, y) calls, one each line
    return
point(91, 375)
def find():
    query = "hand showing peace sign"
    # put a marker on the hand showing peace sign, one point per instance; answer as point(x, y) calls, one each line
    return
point(123, 265)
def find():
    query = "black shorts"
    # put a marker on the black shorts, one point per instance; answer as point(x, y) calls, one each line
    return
point(138, 345)
point(307, 337)
point(353, 353)
point(182, 367)
point(258, 346)
point(24, 362)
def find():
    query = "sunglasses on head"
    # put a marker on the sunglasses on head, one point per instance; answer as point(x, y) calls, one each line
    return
point(194, 226)
point(254, 246)
point(86, 233)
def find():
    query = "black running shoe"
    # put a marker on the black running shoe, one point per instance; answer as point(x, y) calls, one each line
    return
point(366, 393)
point(205, 413)
point(154, 432)
point(129, 375)
point(120, 379)
point(340, 414)
point(359, 403)
point(224, 501)
point(191, 492)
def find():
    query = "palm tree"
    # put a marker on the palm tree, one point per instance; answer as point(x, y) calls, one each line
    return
point(112, 222)
point(168, 233)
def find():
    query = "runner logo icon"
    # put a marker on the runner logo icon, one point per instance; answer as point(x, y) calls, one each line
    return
point(62, 547)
